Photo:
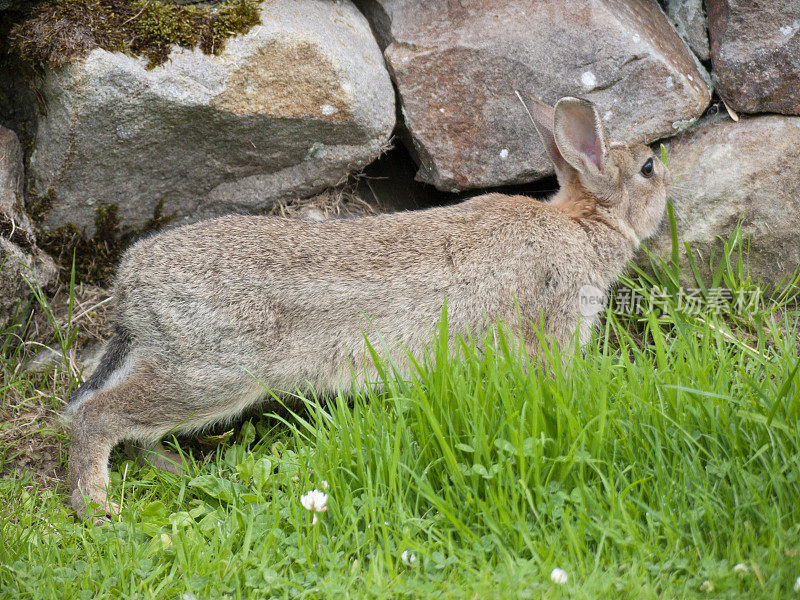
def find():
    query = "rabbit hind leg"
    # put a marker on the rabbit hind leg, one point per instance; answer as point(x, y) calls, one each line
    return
point(136, 408)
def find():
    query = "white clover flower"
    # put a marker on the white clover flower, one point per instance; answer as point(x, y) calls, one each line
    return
point(797, 585)
point(740, 569)
point(316, 502)
point(559, 576)
point(323, 485)
point(409, 558)
point(707, 587)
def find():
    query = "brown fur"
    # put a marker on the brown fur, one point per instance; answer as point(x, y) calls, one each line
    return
point(579, 205)
point(211, 309)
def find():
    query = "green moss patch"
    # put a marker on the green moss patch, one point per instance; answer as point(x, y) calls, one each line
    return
point(51, 33)
point(96, 256)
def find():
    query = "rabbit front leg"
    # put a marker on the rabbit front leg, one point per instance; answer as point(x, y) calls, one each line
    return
point(555, 334)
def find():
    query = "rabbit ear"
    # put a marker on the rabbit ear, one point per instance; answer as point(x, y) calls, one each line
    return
point(579, 135)
point(541, 116)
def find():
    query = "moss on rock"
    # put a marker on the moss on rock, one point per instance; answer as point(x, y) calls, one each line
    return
point(96, 257)
point(51, 33)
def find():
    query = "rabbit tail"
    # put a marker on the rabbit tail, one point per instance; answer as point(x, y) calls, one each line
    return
point(112, 369)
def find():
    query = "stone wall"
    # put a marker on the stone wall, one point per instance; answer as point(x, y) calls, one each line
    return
point(314, 92)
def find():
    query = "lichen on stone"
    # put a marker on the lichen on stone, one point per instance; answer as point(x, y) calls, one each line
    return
point(681, 126)
point(287, 77)
point(51, 33)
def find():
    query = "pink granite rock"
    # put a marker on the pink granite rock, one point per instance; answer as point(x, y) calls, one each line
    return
point(755, 50)
point(456, 66)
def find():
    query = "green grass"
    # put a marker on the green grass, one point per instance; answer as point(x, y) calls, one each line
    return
point(655, 462)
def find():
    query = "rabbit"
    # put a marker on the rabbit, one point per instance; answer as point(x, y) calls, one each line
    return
point(212, 314)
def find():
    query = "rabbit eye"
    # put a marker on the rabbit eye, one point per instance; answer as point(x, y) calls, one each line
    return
point(647, 168)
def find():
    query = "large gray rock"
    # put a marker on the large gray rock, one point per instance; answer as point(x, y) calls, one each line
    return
point(689, 19)
point(287, 109)
point(755, 50)
point(750, 168)
point(456, 66)
point(20, 259)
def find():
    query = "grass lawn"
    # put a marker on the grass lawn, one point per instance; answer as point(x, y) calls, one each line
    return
point(664, 462)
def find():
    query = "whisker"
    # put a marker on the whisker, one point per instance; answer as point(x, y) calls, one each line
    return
point(678, 193)
point(681, 189)
point(680, 196)
point(680, 218)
